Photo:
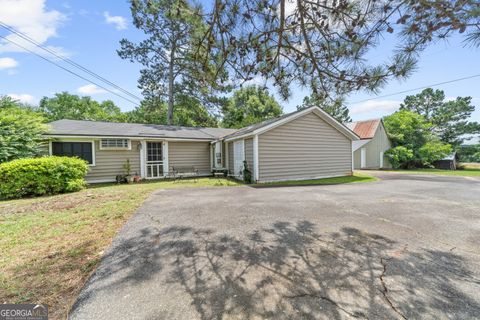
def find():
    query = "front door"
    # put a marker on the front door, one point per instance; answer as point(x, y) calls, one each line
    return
point(154, 160)
point(238, 157)
point(363, 158)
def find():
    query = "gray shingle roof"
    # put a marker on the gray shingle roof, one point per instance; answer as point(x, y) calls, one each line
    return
point(98, 128)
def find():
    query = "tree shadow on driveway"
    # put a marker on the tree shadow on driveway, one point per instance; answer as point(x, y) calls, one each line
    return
point(284, 271)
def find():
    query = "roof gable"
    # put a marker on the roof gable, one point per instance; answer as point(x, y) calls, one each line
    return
point(273, 123)
point(365, 129)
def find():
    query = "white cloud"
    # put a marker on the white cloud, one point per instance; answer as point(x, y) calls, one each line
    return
point(30, 17)
point(90, 89)
point(381, 107)
point(23, 97)
point(119, 21)
point(8, 63)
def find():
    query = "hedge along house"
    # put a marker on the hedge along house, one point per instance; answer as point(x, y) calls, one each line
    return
point(369, 151)
point(305, 144)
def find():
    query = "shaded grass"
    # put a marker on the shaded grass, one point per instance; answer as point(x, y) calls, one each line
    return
point(355, 178)
point(463, 173)
point(50, 245)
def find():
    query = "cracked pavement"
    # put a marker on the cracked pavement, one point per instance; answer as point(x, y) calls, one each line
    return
point(406, 247)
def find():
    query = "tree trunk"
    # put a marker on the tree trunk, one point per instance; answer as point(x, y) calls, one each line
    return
point(171, 82)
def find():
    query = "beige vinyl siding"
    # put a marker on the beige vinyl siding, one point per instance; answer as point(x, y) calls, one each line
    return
point(304, 148)
point(356, 158)
point(44, 148)
point(230, 157)
point(109, 163)
point(249, 153)
point(190, 154)
point(379, 143)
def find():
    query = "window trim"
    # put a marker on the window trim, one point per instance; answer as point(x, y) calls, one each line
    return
point(129, 144)
point(50, 147)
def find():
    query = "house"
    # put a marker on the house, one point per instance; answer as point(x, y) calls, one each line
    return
point(369, 151)
point(447, 163)
point(304, 144)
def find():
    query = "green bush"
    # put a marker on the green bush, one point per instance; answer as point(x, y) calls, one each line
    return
point(399, 156)
point(433, 151)
point(41, 176)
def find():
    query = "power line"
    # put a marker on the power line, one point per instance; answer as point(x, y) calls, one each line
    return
point(69, 71)
point(419, 88)
point(67, 60)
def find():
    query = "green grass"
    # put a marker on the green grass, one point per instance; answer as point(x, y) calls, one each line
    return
point(355, 178)
point(463, 173)
point(50, 245)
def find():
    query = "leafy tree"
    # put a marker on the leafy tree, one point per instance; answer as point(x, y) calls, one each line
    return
point(21, 131)
point(171, 68)
point(413, 144)
point(249, 105)
point(325, 44)
point(469, 153)
point(449, 118)
point(336, 109)
point(399, 156)
point(68, 106)
point(188, 112)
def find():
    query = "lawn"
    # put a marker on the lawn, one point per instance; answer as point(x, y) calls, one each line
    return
point(355, 178)
point(50, 245)
point(464, 172)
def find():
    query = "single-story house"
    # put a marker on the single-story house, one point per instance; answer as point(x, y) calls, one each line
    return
point(304, 144)
point(369, 151)
point(448, 163)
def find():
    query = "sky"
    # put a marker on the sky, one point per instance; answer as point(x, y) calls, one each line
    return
point(89, 32)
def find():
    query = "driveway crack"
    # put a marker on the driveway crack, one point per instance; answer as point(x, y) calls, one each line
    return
point(355, 314)
point(385, 289)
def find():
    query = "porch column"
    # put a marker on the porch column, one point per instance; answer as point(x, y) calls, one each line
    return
point(226, 156)
point(255, 158)
point(166, 167)
point(143, 162)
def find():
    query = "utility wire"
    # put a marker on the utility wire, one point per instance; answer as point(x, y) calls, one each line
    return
point(67, 60)
point(415, 89)
point(68, 70)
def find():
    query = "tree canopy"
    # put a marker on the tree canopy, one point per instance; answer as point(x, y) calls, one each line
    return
point(336, 109)
point(449, 119)
point(21, 130)
point(325, 45)
point(249, 105)
point(413, 143)
point(171, 65)
point(188, 112)
point(68, 106)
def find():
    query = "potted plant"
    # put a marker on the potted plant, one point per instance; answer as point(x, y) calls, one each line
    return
point(136, 177)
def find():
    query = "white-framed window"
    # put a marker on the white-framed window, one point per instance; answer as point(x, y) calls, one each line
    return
point(115, 144)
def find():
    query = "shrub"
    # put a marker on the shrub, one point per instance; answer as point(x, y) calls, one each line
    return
point(41, 176)
point(21, 131)
point(399, 156)
point(433, 151)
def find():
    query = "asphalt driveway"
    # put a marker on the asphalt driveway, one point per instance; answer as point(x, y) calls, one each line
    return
point(406, 247)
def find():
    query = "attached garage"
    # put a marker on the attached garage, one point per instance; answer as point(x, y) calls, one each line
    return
point(306, 144)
